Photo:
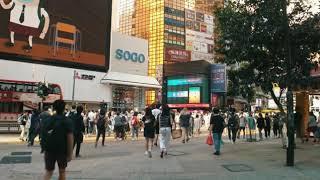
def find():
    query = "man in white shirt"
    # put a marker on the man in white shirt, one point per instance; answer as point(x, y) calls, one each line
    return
point(155, 113)
point(91, 117)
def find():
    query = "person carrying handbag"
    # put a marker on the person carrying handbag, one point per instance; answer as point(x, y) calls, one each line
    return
point(217, 126)
point(165, 121)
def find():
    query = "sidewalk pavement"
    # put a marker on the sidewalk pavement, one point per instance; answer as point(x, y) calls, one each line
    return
point(14, 138)
point(263, 160)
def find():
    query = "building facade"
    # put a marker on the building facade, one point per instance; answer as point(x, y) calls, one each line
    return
point(171, 27)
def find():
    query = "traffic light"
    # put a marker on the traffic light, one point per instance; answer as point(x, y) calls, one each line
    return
point(43, 90)
point(104, 106)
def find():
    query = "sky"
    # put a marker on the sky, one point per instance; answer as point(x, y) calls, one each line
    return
point(315, 5)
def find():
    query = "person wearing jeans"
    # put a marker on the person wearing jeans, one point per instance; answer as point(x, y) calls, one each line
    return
point(165, 123)
point(217, 142)
point(165, 135)
point(217, 125)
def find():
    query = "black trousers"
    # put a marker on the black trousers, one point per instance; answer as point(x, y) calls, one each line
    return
point(232, 133)
point(103, 133)
point(33, 133)
point(229, 133)
point(275, 131)
point(267, 131)
point(78, 147)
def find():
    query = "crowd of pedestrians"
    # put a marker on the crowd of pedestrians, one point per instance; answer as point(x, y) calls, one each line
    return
point(60, 131)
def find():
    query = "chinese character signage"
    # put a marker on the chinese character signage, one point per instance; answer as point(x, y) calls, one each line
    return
point(218, 78)
point(177, 55)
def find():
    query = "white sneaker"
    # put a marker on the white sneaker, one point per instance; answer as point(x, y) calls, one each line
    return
point(146, 153)
point(149, 154)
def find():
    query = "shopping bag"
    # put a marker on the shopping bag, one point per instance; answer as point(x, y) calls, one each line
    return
point(176, 133)
point(209, 140)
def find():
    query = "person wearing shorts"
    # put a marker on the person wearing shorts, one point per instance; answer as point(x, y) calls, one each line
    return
point(51, 159)
point(57, 141)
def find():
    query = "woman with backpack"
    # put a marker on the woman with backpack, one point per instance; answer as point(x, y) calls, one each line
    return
point(101, 127)
point(165, 123)
point(135, 126)
point(149, 130)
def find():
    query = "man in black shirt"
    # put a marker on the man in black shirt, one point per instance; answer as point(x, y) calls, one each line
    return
point(57, 141)
point(217, 125)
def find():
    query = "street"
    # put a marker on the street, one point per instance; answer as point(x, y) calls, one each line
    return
point(192, 161)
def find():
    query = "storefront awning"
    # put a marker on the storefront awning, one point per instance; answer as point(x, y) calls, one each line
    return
point(131, 80)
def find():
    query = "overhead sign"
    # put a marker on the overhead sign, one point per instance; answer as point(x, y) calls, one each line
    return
point(177, 55)
point(84, 76)
point(129, 54)
point(218, 78)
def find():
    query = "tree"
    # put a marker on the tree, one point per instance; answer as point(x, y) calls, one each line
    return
point(238, 86)
point(253, 33)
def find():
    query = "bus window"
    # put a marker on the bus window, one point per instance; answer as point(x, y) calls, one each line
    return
point(11, 107)
point(21, 88)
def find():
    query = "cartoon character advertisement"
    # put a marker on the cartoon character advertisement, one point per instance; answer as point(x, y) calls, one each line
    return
point(55, 31)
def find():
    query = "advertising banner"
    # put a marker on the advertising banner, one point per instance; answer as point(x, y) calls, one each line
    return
point(199, 35)
point(59, 32)
point(129, 54)
point(202, 56)
point(177, 55)
point(218, 78)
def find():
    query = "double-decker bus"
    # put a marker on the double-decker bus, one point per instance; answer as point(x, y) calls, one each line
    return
point(19, 96)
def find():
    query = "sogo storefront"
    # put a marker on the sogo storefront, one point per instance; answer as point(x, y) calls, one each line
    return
point(128, 72)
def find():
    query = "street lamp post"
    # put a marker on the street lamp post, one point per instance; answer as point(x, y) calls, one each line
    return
point(74, 85)
point(290, 118)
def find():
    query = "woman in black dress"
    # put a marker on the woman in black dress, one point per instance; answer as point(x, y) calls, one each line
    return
point(149, 130)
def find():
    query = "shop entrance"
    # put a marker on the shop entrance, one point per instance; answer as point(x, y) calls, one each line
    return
point(127, 98)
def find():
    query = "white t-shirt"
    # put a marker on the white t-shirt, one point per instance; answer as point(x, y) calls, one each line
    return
point(91, 116)
point(156, 112)
point(242, 121)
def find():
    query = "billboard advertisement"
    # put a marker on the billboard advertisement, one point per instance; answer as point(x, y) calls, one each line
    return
point(128, 54)
point(199, 35)
point(218, 78)
point(56, 32)
point(188, 90)
point(194, 95)
point(177, 55)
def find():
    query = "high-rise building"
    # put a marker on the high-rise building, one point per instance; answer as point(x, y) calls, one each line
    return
point(170, 26)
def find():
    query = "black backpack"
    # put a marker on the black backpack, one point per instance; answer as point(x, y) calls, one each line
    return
point(54, 137)
point(233, 123)
point(101, 122)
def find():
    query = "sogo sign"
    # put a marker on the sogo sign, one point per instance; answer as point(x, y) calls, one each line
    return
point(130, 56)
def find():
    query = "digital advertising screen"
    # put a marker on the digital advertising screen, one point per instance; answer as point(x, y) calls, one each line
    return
point(60, 32)
point(187, 90)
point(194, 95)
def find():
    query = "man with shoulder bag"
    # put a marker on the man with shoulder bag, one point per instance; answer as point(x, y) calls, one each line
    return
point(78, 129)
point(57, 141)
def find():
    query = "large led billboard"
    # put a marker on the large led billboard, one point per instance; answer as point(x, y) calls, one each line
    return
point(187, 89)
point(60, 32)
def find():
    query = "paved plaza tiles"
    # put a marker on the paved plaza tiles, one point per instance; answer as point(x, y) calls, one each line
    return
point(192, 161)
